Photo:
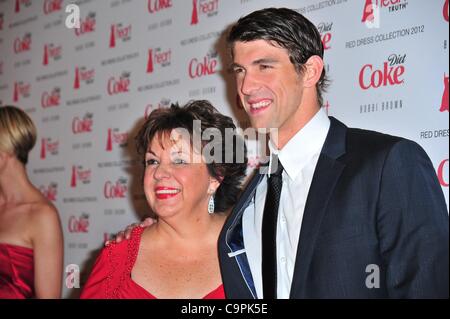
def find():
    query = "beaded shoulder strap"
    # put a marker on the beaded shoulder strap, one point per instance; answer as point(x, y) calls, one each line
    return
point(121, 258)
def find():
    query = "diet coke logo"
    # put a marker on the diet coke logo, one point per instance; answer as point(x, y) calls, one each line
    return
point(115, 137)
point(83, 125)
point(22, 44)
point(389, 75)
point(164, 103)
point(21, 3)
point(115, 190)
point(50, 192)
point(52, 52)
point(51, 6)
point(443, 173)
point(445, 10)
point(158, 5)
point(87, 25)
point(444, 103)
point(21, 89)
point(83, 75)
point(325, 31)
point(158, 57)
point(120, 85)
point(119, 32)
point(80, 175)
point(204, 67)
point(207, 8)
point(51, 99)
point(79, 224)
point(49, 146)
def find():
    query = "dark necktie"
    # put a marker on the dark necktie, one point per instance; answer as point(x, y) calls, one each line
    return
point(269, 232)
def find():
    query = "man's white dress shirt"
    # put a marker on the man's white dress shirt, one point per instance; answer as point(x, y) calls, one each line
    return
point(299, 158)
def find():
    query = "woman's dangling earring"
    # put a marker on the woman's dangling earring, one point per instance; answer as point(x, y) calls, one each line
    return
point(211, 204)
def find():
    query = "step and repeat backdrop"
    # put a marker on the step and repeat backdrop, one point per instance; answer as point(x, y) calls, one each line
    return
point(89, 89)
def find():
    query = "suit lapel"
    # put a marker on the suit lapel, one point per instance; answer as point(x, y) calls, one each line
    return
point(234, 239)
point(326, 175)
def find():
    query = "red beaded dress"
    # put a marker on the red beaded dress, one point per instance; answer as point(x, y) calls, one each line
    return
point(16, 272)
point(111, 275)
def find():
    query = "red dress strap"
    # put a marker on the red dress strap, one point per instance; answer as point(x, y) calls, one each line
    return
point(120, 271)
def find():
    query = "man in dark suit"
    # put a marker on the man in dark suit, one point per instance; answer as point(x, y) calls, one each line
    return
point(343, 213)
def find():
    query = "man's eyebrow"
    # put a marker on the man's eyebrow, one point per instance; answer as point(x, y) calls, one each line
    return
point(235, 65)
point(265, 61)
point(151, 152)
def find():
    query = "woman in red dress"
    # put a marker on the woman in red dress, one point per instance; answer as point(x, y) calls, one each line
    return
point(31, 240)
point(188, 190)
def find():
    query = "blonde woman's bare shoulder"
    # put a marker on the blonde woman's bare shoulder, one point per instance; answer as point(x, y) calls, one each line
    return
point(44, 216)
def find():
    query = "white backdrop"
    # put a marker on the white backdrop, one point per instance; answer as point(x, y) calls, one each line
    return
point(89, 89)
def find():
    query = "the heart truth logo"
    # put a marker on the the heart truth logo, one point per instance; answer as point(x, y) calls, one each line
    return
point(21, 90)
point(80, 174)
point(116, 138)
point(159, 57)
point(208, 8)
point(371, 11)
point(118, 31)
point(444, 103)
point(48, 146)
point(51, 52)
point(20, 3)
point(445, 10)
point(82, 74)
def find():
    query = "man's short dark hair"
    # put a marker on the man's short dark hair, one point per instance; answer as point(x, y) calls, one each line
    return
point(287, 28)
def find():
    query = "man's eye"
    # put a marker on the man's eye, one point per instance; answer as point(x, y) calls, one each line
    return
point(150, 162)
point(237, 70)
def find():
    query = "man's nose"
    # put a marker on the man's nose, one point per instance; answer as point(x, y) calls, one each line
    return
point(250, 84)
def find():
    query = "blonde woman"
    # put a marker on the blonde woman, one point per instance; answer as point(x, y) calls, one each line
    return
point(31, 240)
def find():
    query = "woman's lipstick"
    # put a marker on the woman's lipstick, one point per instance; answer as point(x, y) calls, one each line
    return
point(166, 192)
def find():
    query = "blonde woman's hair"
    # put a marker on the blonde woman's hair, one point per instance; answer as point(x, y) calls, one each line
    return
point(17, 132)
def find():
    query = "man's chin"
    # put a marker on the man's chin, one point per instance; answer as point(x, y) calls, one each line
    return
point(260, 125)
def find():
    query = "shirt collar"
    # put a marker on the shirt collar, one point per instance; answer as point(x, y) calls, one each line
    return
point(307, 142)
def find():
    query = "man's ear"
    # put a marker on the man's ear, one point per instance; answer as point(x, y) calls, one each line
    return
point(313, 71)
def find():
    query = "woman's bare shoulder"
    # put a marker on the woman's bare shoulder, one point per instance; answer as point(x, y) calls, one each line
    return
point(43, 217)
point(42, 209)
